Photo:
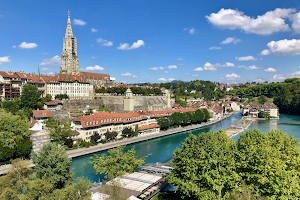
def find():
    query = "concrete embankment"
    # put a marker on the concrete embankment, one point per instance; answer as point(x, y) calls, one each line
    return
point(125, 141)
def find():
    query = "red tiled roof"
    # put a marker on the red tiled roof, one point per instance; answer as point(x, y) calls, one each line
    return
point(63, 78)
point(31, 78)
point(53, 102)
point(32, 122)
point(153, 125)
point(94, 75)
point(42, 113)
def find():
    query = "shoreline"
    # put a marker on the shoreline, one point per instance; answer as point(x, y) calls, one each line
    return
point(102, 147)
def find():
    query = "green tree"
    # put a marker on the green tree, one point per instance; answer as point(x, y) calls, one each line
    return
point(13, 129)
point(60, 132)
point(95, 137)
point(17, 181)
point(10, 105)
point(109, 136)
point(269, 163)
point(244, 193)
point(164, 123)
point(262, 99)
point(205, 166)
point(52, 161)
point(6, 153)
point(198, 116)
point(128, 132)
point(136, 130)
point(24, 147)
point(30, 97)
point(117, 163)
point(47, 98)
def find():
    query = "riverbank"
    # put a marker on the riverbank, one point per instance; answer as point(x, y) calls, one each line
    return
point(102, 147)
point(125, 141)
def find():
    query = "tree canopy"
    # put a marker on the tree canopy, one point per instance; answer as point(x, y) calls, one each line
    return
point(30, 97)
point(117, 162)
point(211, 166)
point(205, 166)
point(52, 161)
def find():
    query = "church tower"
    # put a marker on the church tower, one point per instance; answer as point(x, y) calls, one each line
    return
point(69, 59)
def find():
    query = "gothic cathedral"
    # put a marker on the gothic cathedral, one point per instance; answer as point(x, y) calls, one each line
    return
point(69, 58)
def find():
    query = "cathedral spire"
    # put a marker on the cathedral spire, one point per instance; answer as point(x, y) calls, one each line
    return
point(69, 33)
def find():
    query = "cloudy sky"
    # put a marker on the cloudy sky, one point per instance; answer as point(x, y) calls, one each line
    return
point(156, 41)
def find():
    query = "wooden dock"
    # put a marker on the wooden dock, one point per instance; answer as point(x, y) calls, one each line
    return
point(239, 127)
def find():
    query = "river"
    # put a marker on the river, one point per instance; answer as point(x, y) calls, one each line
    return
point(162, 148)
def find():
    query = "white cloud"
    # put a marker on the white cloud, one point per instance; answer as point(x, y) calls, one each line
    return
point(296, 73)
point(195, 75)
point(104, 42)
point(4, 59)
point(213, 47)
point(94, 57)
point(230, 40)
point(246, 58)
point(46, 69)
point(95, 68)
point(172, 67)
point(50, 73)
point(270, 70)
point(79, 22)
point(14, 46)
point(198, 69)
point(208, 66)
point(162, 79)
point(171, 79)
point(154, 68)
point(135, 45)
point(283, 47)
point(266, 24)
point(228, 64)
point(94, 30)
point(161, 68)
point(129, 74)
point(248, 68)
point(25, 45)
point(179, 59)
point(265, 52)
point(165, 72)
point(190, 29)
point(52, 61)
point(278, 77)
point(232, 76)
point(296, 22)
point(257, 80)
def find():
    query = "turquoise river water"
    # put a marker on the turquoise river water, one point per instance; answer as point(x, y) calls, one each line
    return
point(162, 148)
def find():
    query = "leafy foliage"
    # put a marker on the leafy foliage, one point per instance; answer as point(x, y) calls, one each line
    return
point(95, 137)
point(52, 161)
point(117, 163)
point(30, 97)
point(257, 166)
point(205, 167)
point(60, 132)
point(109, 136)
point(61, 96)
point(128, 132)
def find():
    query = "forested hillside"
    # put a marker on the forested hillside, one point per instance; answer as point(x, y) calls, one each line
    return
point(286, 94)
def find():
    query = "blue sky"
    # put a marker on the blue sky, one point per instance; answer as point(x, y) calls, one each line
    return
point(156, 41)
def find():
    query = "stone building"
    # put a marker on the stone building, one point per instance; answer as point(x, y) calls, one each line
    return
point(69, 58)
point(74, 86)
point(98, 80)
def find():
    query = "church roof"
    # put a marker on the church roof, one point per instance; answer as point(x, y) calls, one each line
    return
point(63, 78)
point(94, 75)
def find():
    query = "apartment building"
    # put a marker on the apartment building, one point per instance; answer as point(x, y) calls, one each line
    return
point(101, 122)
point(10, 85)
point(74, 86)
